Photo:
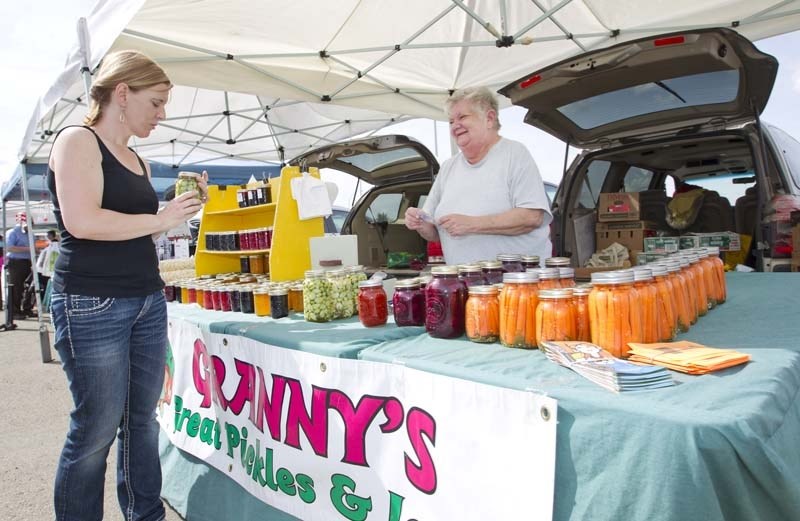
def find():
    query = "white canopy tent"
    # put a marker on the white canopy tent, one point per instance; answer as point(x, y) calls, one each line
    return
point(402, 58)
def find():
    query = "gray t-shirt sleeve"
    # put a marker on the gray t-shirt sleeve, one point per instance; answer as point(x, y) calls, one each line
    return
point(435, 194)
point(525, 183)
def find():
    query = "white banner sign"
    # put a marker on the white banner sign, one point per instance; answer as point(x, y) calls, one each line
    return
point(333, 439)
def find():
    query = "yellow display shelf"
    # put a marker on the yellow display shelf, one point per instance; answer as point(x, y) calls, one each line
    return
point(290, 255)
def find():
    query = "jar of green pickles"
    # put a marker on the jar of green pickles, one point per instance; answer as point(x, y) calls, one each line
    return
point(355, 274)
point(187, 182)
point(341, 294)
point(317, 297)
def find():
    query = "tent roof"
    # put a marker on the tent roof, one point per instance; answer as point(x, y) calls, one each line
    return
point(399, 58)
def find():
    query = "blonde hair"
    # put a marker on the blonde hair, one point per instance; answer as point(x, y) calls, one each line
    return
point(132, 68)
point(481, 98)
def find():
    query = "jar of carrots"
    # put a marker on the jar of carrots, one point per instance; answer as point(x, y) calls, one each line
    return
point(614, 314)
point(555, 316)
point(482, 315)
point(518, 301)
point(680, 294)
point(719, 271)
point(666, 307)
point(549, 278)
point(646, 291)
point(580, 298)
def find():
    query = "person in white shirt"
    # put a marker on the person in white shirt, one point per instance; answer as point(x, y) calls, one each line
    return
point(45, 264)
point(488, 199)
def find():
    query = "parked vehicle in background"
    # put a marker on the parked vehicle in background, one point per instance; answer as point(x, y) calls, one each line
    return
point(334, 222)
point(657, 114)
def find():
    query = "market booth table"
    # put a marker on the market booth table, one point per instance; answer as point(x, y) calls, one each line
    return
point(721, 446)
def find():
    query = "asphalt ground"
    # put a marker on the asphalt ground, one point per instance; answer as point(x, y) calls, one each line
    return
point(34, 416)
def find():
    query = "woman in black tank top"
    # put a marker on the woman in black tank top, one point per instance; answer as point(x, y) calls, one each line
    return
point(107, 305)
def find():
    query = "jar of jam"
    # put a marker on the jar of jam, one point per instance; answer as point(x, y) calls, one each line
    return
point(566, 277)
point(261, 302)
point(557, 262)
point(279, 302)
point(614, 314)
point(270, 231)
point(225, 299)
point(187, 182)
point(244, 263)
point(191, 293)
point(208, 298)
point(482, 315)
point(256, 263)
point(185, 292)
point(492, 271)
point(246, 302)
point(169, 292)
point(555, 316)
point(549, 278)
point(373, 309)
point(199, 289)
point(296, 297)
point(445, 300)
point(580, 297)
point(471, 275)
point(241, 198)
point(511, 262)
point(518, 301)
point(648, 306)
point(408, 303)
point(262, 239)
point(317, 297)
point(530, 261)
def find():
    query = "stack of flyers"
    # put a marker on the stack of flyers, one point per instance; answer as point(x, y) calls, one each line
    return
point(687, 357)
point(599, 366)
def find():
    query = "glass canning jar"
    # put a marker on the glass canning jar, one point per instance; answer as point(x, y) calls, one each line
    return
point(666, 307)
point(614, 315)
point(721, 289)
point(566, 277)
point(530, 261)
point(555, 316)
point(296, 297)
point(278, 302)
point(492, 271)
point(680, 294)
point(518, 301)
point(549, 278)
point(648, 306)
point(373, 309)
point(482, 314)
point(341, 293)
point(689, 279)
point(355, 274)
point(445, 299)
point(511, 262)
point(317, 297)
point(699, 287)
point(261, 301)
point(580, 297)
point(408, 303)
point(246, 299)
point(557, 262)
point(471, 275)
point(187, 182)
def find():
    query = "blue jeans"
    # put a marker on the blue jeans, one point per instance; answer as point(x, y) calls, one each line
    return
point(113, 351)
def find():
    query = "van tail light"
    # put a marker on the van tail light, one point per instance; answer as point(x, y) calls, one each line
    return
point(670, 40)
point(524, 84)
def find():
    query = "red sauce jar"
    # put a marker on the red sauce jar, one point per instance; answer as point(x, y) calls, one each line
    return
point(373, 308)
point(408, 302)
point(445, 302)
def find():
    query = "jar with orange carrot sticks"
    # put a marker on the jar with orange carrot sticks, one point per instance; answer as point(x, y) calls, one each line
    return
point(680, 294)
point(689, 281)
point(518, 300)
point(549, 278)
point(482, 315)
point(699, 283)
point(666, 307)
point(556, 316)
point(614, 314)
point(646, 291)
point(580, 298)
point(566, 277)
point(719, 271)
point(709, 277)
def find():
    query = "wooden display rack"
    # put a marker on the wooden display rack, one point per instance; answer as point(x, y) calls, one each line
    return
point(290, 255)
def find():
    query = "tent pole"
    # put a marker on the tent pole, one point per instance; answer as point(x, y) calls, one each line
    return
point(86, 56)
point(44, 335)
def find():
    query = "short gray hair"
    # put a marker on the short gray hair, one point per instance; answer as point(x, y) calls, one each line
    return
point(479, 97)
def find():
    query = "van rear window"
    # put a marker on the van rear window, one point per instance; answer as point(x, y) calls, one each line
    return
point(694, 90)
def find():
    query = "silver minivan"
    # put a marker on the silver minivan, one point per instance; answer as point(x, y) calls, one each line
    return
point(661, 113)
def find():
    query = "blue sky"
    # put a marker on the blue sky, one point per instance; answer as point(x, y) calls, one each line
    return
point(35, 39)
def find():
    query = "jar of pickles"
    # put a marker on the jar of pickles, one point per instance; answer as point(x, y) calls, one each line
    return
point(355, 274)
point(482, 314)
point(689, 280)
point(648, 305)
point(666, 311)
point(566, 277)
point(614, 315)
point(511, 262)
point(555, 316)
point(317, 297)
point(471, 275)
point(721, 290)
point(696, 268)
point(549, 278)
point(492, 271)
point(530, 261)
point(580, 298)
point(341, 293)
point(680, 295)
point(373, 309)
point(518, 301)
point(445, 300)
point(187, 182)
point(408, 303)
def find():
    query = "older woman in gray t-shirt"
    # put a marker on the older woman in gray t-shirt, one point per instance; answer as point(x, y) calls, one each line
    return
point(488, 199)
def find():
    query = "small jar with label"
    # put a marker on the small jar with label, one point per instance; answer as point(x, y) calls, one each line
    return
point(279, 302)
point(246, 301)
point(199, 293)
point(445, 301)
point(408, 303)
point(187, 182)
point(261, 302)
point(257, 264)
point(555, 316)
point(492, 271)
point(241, 198)
point(208, 298)
point(296, 297)
point(373, 309)
point(511, 262)
point(482, 315)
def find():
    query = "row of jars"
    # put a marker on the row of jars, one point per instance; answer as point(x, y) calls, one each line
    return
point(253, 196)
point(256, 263)
point(240, 240)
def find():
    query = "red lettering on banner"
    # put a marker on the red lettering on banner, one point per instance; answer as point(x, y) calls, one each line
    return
point(315, 426)
point(245, 391)
point(356, 422)
point(423, 476)
point(270, 405)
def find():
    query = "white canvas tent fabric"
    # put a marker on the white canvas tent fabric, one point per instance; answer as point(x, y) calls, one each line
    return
point(390, 56)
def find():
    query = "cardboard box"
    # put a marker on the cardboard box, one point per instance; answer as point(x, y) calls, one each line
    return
point(661, 244)
point(639, 258)
point(629, 234)
point(796, 240)
point(725, 241)
point(618, 206)
point(796, 262)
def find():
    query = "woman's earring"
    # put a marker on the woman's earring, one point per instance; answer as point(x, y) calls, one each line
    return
point(122, 117)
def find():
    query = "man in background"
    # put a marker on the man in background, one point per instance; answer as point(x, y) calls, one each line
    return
point(18, 258)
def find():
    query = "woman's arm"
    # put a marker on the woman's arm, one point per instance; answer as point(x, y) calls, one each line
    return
point(76, 161)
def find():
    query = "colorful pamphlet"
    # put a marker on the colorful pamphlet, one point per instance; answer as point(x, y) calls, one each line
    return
point(686, 357)
point(599, 366)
